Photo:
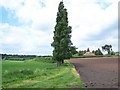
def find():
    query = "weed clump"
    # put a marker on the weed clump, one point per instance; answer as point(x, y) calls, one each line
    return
point(26, 72)
point(18, 72)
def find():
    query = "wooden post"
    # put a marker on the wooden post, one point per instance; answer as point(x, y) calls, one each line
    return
point(0, 56)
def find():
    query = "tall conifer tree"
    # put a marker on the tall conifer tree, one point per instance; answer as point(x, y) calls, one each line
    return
point(62, 36)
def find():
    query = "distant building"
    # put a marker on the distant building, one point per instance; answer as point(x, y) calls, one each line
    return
point(0, 56)
point(89, 54)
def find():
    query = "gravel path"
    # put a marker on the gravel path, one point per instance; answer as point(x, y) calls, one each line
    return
point(97, 72)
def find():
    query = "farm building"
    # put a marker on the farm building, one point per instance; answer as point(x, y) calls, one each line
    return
point(89, 54)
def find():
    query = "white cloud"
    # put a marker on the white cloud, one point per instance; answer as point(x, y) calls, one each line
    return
point(92, 21)
point(28, 40)
point(86, 17)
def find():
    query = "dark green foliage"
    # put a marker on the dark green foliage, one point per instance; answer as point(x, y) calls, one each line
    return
point(117, 53)
point(81, 52)
point(17, 57)
point(73, 50)
point(85, 51)
point(88, 50)
point(62, 36)
point(93, 51)
point(98, 52)
point(112, 53)
point(107, 48)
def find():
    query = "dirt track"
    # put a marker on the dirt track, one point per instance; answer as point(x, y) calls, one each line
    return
point(97, 72)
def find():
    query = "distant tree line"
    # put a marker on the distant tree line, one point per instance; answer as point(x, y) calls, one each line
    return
point(106, 47)
point(17, 57)
point(20, 57)
point(96, 52)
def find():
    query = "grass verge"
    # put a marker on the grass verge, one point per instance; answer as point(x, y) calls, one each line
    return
point(34, 74)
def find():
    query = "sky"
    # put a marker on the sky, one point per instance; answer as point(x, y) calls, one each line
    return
point(26, 26)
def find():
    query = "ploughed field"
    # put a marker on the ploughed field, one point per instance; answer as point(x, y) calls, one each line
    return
point(97, 72)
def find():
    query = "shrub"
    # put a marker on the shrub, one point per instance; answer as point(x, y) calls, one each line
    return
point(44, 59)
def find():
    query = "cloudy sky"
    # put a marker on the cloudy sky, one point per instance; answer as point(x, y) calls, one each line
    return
point(26, 26)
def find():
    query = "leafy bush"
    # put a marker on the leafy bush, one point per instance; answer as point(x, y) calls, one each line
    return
point(44, 59)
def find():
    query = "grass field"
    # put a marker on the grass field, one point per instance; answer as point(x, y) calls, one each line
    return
point(39, 74)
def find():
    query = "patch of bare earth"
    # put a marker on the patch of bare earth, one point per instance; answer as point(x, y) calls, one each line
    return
point(97, 72)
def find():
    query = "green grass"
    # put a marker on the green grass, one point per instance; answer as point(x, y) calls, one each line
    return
point(39, 74)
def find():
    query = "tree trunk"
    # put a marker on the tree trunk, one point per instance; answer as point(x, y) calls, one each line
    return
point(62, 61)
point(59, 63)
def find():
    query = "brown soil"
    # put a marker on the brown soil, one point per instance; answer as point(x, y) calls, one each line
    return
point(97, 72)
